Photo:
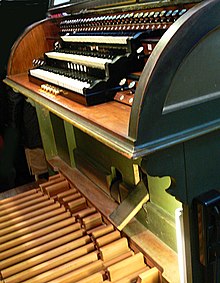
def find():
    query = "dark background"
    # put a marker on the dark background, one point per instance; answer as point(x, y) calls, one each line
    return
point(18, 123)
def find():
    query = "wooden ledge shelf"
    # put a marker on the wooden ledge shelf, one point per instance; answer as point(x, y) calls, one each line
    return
point(107, 122)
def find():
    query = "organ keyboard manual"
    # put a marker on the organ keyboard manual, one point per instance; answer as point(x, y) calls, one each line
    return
point(95, 55)
point(90, 65)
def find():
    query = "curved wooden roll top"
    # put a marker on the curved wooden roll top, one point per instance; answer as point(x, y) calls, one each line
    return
point(33, 43)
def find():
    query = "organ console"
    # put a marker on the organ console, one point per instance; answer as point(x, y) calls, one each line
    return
point(94, 54)
point(89, 67)
point(127, 98)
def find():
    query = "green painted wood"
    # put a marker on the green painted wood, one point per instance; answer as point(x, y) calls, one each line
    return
point(168, 162)
point(106, 157)
point(71, 142)
point(160, 197)
point(60, 137)
point(160, 223)
point(46, 130)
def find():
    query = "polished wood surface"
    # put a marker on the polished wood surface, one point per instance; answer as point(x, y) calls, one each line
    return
point(36, 40)
point(111, 116)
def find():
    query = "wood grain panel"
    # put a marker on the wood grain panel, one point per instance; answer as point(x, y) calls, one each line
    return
point(34, 42)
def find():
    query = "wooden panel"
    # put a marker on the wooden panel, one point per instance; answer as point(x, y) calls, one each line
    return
point(36, 40)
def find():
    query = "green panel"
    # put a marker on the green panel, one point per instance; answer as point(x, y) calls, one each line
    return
point(60, 138)
point(57, 136)
point(159, 222)
point(71, 142)
point(158, 195)
point(165, 177)
point(46, 131)
point(158, 215)
point(167, 163)
point(105, 157)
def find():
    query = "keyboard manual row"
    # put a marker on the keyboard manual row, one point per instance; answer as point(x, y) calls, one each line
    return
point(88, 67)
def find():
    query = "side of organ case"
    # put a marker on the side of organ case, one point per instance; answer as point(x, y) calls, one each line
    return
point(127, 98)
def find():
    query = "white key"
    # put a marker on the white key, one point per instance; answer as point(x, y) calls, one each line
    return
point(60, 80)
point(97, 39)
point(94, 62)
